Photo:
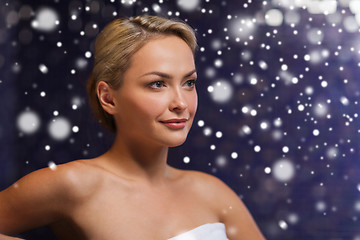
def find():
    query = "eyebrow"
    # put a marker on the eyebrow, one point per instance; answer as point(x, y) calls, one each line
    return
point(164, 75)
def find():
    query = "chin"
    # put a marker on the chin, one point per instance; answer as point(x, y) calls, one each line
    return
point(175, 142)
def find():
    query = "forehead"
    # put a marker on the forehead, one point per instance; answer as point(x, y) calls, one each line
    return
point(165, 53)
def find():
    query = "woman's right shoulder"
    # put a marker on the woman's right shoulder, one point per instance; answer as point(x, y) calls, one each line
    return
point(78, 178)
point(45, 195)
point(72, 180)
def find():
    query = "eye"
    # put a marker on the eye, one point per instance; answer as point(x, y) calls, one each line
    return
point(190, 83)
point(156, 84)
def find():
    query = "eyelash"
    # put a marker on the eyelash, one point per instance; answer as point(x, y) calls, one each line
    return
point(152, 84)
point(193, 83)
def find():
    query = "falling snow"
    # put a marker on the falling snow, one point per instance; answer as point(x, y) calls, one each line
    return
point(278, 101)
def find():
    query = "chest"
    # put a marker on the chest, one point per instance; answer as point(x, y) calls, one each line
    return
point(142, 213)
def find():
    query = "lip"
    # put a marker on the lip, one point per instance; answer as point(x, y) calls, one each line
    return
point(176, 123)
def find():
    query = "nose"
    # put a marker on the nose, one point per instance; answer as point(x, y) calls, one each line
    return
point(178, 101)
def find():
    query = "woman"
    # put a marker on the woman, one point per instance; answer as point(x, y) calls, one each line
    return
point(143, 89)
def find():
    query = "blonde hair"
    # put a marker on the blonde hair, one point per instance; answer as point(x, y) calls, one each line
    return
point(116, 44)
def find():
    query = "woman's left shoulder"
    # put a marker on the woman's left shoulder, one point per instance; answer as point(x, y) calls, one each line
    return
point(232, 211)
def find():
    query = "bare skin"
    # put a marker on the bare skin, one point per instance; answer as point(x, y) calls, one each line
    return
point(131, 192)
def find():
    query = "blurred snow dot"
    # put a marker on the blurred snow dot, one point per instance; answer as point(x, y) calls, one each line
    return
point(320, 206)
point(301, 107)
point(81, 63)
point(156, 7)
point(292, 17)
point(128, 2)
point(76, 101)
point(234, 155)
point(188, 5)
point(332, 152)
point(358, 187)
point(16, 67)
point(277, 135)
point(186, 159)
point(238, 78)
point(357, 206)
point(219, 134)
point(75, 129)
point(221, 161)
point(263, 65)
point(315, 35)
point(212, 147)
point(257, 148)
point(324, 84)
point(201, 123)
point(267, 170)
point(316, 132)
point(354, 6)
point(309, 90)
point(216, 44)
point(88, 54)
point(207, 131)
point(294, 80)
point(284, 67)
point(218, 63)
point(221, 92)
point(315, 56)
point(278, 122)
point(210, 72)
point(245, 109)
point(344, 101)
point(28, 122)
point(42, 94)
point(253, 81)
point(52, 165)
point(253, 112)
point(283, 170)
point(293, 218)
point(350, 24)
point(307, 57)
point(285, 149)
point(320, 110)
point(264, 125)
point(274, 17)
point(46, 20)
point(59, 128)
point(283, 225)
point(246, 129)
point(47, 147)
point(55, 113)
point(210, 89)
point(43, 68)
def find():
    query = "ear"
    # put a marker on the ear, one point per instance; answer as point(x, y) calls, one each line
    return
point(106, 97)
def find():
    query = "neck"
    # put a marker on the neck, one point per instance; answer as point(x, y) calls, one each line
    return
point(138, 160)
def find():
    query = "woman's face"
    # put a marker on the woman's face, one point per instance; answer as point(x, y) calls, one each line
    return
point(157, 101)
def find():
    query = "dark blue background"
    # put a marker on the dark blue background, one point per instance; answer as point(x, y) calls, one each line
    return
point(320, 201)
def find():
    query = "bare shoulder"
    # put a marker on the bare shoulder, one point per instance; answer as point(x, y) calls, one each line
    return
point(44, 196)
point(57, 182)
point(232, 211)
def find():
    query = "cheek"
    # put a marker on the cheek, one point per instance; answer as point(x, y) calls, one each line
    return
point(148, 106)
point(193, 103)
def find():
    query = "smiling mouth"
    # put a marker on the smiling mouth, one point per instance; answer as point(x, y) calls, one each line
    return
point(175, 123)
